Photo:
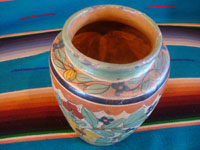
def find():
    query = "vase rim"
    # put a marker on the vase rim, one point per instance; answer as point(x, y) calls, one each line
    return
point(100, 65)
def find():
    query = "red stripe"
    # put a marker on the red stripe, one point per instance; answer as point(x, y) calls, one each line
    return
point(38, 137)
point(30, 113)
point(5, 0)
point(37, 16)
point(176, 101)
point(160, 7)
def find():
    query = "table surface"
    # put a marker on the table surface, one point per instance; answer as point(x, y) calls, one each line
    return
point(29, 114)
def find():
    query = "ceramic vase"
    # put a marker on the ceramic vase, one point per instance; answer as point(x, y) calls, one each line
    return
point(103, 102)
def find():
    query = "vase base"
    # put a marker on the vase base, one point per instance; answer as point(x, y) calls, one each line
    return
point(95, 143)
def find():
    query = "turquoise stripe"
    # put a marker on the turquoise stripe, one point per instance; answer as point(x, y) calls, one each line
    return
point(185, 62)
point(12, 79)
point(179, 138)
point(32, 72)
point(186, 11)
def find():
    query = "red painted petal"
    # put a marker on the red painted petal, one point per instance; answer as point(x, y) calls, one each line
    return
point(67, 106)
point(78, 114)
point(73, 107)
point(70, 107)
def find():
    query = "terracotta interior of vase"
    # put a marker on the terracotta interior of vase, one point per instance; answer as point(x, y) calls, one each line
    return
point(112, 35)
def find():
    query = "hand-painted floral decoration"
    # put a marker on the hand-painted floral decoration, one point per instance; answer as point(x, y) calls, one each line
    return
point(92, 86)
point(120, 88)
point(106, 120)
point(102, 129)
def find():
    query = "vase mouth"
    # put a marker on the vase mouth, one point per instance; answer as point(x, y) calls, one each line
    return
point(116, 13)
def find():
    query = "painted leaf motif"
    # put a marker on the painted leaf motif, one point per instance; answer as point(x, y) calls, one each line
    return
point(90, 117)
point(79, 122)
point(66, 113)
point(83, 78)
point(118, 130)
point(61, 55)
point(70, 65)
point(139, 70)
point(136, 123)
point(59, 64)
point(136, 89)
point(145, 85)
point(103, 133)
point(82, 85)
point(154, 75)
point(158, 64)
point(134, 117)
point(114, 124)
point(71, 115)
point(133, 81)
point(101, 141)
point(97, 88)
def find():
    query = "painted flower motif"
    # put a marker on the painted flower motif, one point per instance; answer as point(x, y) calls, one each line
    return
point(106, 120)
point(120, 88)
point(87, 134)
point(70, 74)
point(73, 109)
point(58, 45)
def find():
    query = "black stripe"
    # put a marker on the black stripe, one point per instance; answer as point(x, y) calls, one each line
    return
point(101, 100)
point(39, 124)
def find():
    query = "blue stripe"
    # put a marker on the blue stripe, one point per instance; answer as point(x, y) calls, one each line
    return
point(11, 79)
point(182, 60)
point(15, 81)
point(101, 100)
point(29, 69)
point(185, 61)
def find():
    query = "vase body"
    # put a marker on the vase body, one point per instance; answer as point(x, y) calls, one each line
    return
point(104, 103)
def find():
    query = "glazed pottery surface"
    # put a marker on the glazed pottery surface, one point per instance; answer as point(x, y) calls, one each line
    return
point(103, 102)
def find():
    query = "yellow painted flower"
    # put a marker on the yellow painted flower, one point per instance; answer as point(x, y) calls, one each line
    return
point(90, 135)
point(87, 134)
point(70, 74)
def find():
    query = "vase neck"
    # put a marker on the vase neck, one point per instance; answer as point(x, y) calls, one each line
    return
point(109, 71)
